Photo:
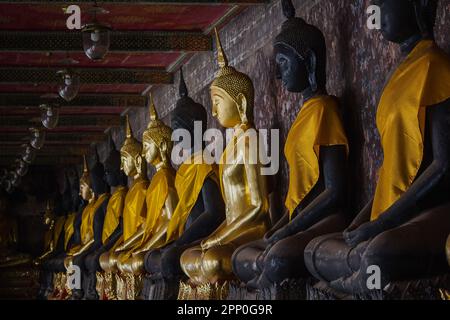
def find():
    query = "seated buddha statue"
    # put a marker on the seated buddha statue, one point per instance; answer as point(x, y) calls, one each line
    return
point(200, 208)
point(53, 241)
point(243, 186)
point(72, 206)
point(315, 150)
point(403, 229)
point(95, 190)
point(113, 223)
point(134, 210)
point(161, 199)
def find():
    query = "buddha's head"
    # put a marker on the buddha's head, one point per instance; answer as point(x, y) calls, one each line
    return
point(300, 53)
point(187, 112)
point(156, 139)
point(402, 19)
point(130, 153)
point(97, 175)
point(85, 182)
point(232, 93)
point(49, 213)
point(114, 175)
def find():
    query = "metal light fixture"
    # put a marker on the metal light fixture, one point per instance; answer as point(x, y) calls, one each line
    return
point(21, 167)
point(68, 84)
point(37, 138)
point(15, 179)
point(28, 153)
point(49, 115)
point(96, 36)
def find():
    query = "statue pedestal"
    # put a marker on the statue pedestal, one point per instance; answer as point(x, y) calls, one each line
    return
point(217, 291)
point(435, 288)
point(158, 288)
point(293, 289)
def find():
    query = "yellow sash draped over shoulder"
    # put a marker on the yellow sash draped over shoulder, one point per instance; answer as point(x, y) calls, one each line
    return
point(318, 124)
point(189, 182)
point(113, 212)
point(156, 197)
point(422, 80)
point(87, 219)
point(68, 229)
point(135, 208)
point(59, 226)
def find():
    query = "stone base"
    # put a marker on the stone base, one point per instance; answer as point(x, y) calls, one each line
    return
point(291, 289)
point(158, 288)
point(206, 291)
point(435, 288)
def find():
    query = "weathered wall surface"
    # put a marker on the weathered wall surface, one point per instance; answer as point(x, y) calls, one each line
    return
point(359, 61)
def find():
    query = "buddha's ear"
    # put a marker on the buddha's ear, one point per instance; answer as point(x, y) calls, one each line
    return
point(242, 108)
point(311, 66)
point(138, 162)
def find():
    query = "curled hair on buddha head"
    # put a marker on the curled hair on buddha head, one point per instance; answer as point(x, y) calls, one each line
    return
point(233, 82)
point(97, 175)
point(306, 41)
point(187, 111)
point(157, 131)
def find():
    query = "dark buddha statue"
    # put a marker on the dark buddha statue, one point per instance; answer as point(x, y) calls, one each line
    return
point(73, 209)
point(315, 149)
point(200, 209)
point(403, 229)
point(55, 218)
point(113, 222)
point(92, 220)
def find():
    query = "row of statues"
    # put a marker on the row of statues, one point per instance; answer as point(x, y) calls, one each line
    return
point(206, 224)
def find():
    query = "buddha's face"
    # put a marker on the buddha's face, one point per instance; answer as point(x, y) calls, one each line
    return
point(150, 151)
point(398, 19)
point(224, 108)
point(127, 164)
point(291, 69)
point(85, 191)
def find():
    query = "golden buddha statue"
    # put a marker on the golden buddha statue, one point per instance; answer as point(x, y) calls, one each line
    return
point(55, 226)
point(161, 201)
point(93, 189)
point(243, 187)
point(134, 212)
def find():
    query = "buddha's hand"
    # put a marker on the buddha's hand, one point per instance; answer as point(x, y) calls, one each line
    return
point(363, 233)
point(208, 244)
point(279, 235)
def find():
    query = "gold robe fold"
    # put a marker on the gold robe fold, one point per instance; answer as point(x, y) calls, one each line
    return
point(135, 208)
point(189, 182)
point(318, 124)
point(87, 219)
point(113, 212)
point(422, 80)
point(59, 226)
point(156, 197)
point(68, 229)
